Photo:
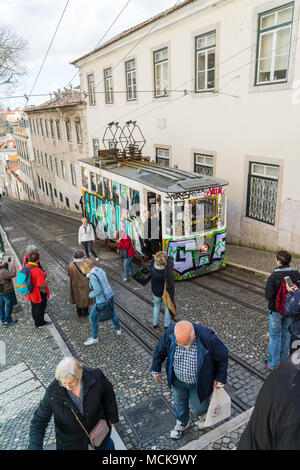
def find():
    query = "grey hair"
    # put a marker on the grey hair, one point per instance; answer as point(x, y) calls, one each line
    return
point(68, 367)
point(31, 249)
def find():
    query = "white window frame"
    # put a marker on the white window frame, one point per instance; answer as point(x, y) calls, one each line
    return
point(163, 156)
point(206, 51)
point(161, 90)
point(91, 89)
point(108, 86)
point(78, 130)
point(130, 70)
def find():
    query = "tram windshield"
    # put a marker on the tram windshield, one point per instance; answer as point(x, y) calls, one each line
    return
point(203, 214)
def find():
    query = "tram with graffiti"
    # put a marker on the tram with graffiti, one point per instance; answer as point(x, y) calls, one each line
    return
point(119, 193)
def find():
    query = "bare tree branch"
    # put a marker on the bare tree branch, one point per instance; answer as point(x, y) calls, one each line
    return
point(12, 48)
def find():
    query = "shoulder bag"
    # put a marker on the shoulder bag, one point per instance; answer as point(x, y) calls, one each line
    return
point(98, 433)
point(169, 302)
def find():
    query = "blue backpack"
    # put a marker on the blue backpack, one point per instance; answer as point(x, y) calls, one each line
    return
point(23, 283)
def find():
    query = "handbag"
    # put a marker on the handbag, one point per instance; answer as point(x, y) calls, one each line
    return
point(123, 253)
point(97, 434)
point(104, 311)
point(169, 302)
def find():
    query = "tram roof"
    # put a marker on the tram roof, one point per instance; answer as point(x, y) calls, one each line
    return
point(164, 179)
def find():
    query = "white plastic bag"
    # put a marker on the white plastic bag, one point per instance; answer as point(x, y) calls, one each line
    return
point(219, 408)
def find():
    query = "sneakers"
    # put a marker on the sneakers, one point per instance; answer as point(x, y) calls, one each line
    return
point(7, 323)
point(97, 259)
point(200, 422)
point(125, 279)
point(90, 341)
point(268, 365)
point(118, 332)
point(155, 326)
point(46, 323)
point(178, 430)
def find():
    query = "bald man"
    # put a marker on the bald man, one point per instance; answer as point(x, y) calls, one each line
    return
point(196, 364)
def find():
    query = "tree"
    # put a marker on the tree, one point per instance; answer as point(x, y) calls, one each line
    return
point(12, 48)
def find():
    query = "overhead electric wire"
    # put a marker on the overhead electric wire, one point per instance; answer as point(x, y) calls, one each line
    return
point(141, 40)
point(42, 65)
point(106, 32)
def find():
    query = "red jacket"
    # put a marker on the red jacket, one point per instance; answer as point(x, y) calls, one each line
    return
point(38, 279)
point(126, 244)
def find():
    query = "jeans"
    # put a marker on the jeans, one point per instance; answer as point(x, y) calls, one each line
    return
point(7, 303)
point(94, 320)
point(156, 311)
point(88, 247)
point(183, 393)
point(280, 338)
point(128, 267)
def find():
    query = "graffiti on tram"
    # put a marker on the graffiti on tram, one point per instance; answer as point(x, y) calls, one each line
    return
point(190, 259)
point(110, 213)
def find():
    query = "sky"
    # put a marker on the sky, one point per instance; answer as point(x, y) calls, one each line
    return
point(82, 26)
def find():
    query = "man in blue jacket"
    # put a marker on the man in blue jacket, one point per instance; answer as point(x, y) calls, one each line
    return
point(196, 364)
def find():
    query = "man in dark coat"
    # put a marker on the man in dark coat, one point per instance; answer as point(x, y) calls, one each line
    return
point(279, 324)
point(196, 364)
point(275, 421)
point(96, 400)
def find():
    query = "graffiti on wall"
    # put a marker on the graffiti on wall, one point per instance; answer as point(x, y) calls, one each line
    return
point(198, 255)
point(197, 194)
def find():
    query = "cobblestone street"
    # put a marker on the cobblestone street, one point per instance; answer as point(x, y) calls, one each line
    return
point(32, 355)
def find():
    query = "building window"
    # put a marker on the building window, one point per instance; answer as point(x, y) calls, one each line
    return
point(161, 72)
point(274, 43)
point(109, 98)
point(51, 163)
point(262, 192)
point(68, 130)
point(63, 170)
point(46, 127)
point(130, 80)
point(42, 159)
point(78, 130)
point(205, 62)
point(55, 192)
point(37, 126)
point(42, 127)
point(61, 197)
point(162, 156)
point(46, 185)
point(203, 164)
point(58, 129)
point(91, 89)
point(33, 122)
point(43, 184)
point(52, 129)
point(95, 147)
point(38, 156)
point(56, 166)
point(67, 202)
point(73, 174)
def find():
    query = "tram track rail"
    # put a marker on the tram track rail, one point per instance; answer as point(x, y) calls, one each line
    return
point(62, 260)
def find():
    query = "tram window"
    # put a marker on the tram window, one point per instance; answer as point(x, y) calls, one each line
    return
point(85, 178)
point(179, 219)
point(99, 185)
point(169, 218)
point(93, 181)
point(202, 214)
point(222, 201)
point(125, 197)
point(107, 190)
point(135, 200)
point(115, 188)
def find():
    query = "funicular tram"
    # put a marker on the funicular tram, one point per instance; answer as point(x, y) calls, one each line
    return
point(119, 191)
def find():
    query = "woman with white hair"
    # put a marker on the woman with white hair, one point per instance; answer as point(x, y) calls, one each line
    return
point(31, 249)
point(78, 399)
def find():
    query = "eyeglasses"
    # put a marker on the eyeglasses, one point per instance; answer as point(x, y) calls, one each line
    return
point(72, 384)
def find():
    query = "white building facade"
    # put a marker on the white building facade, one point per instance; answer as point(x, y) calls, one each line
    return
point(213, 88)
